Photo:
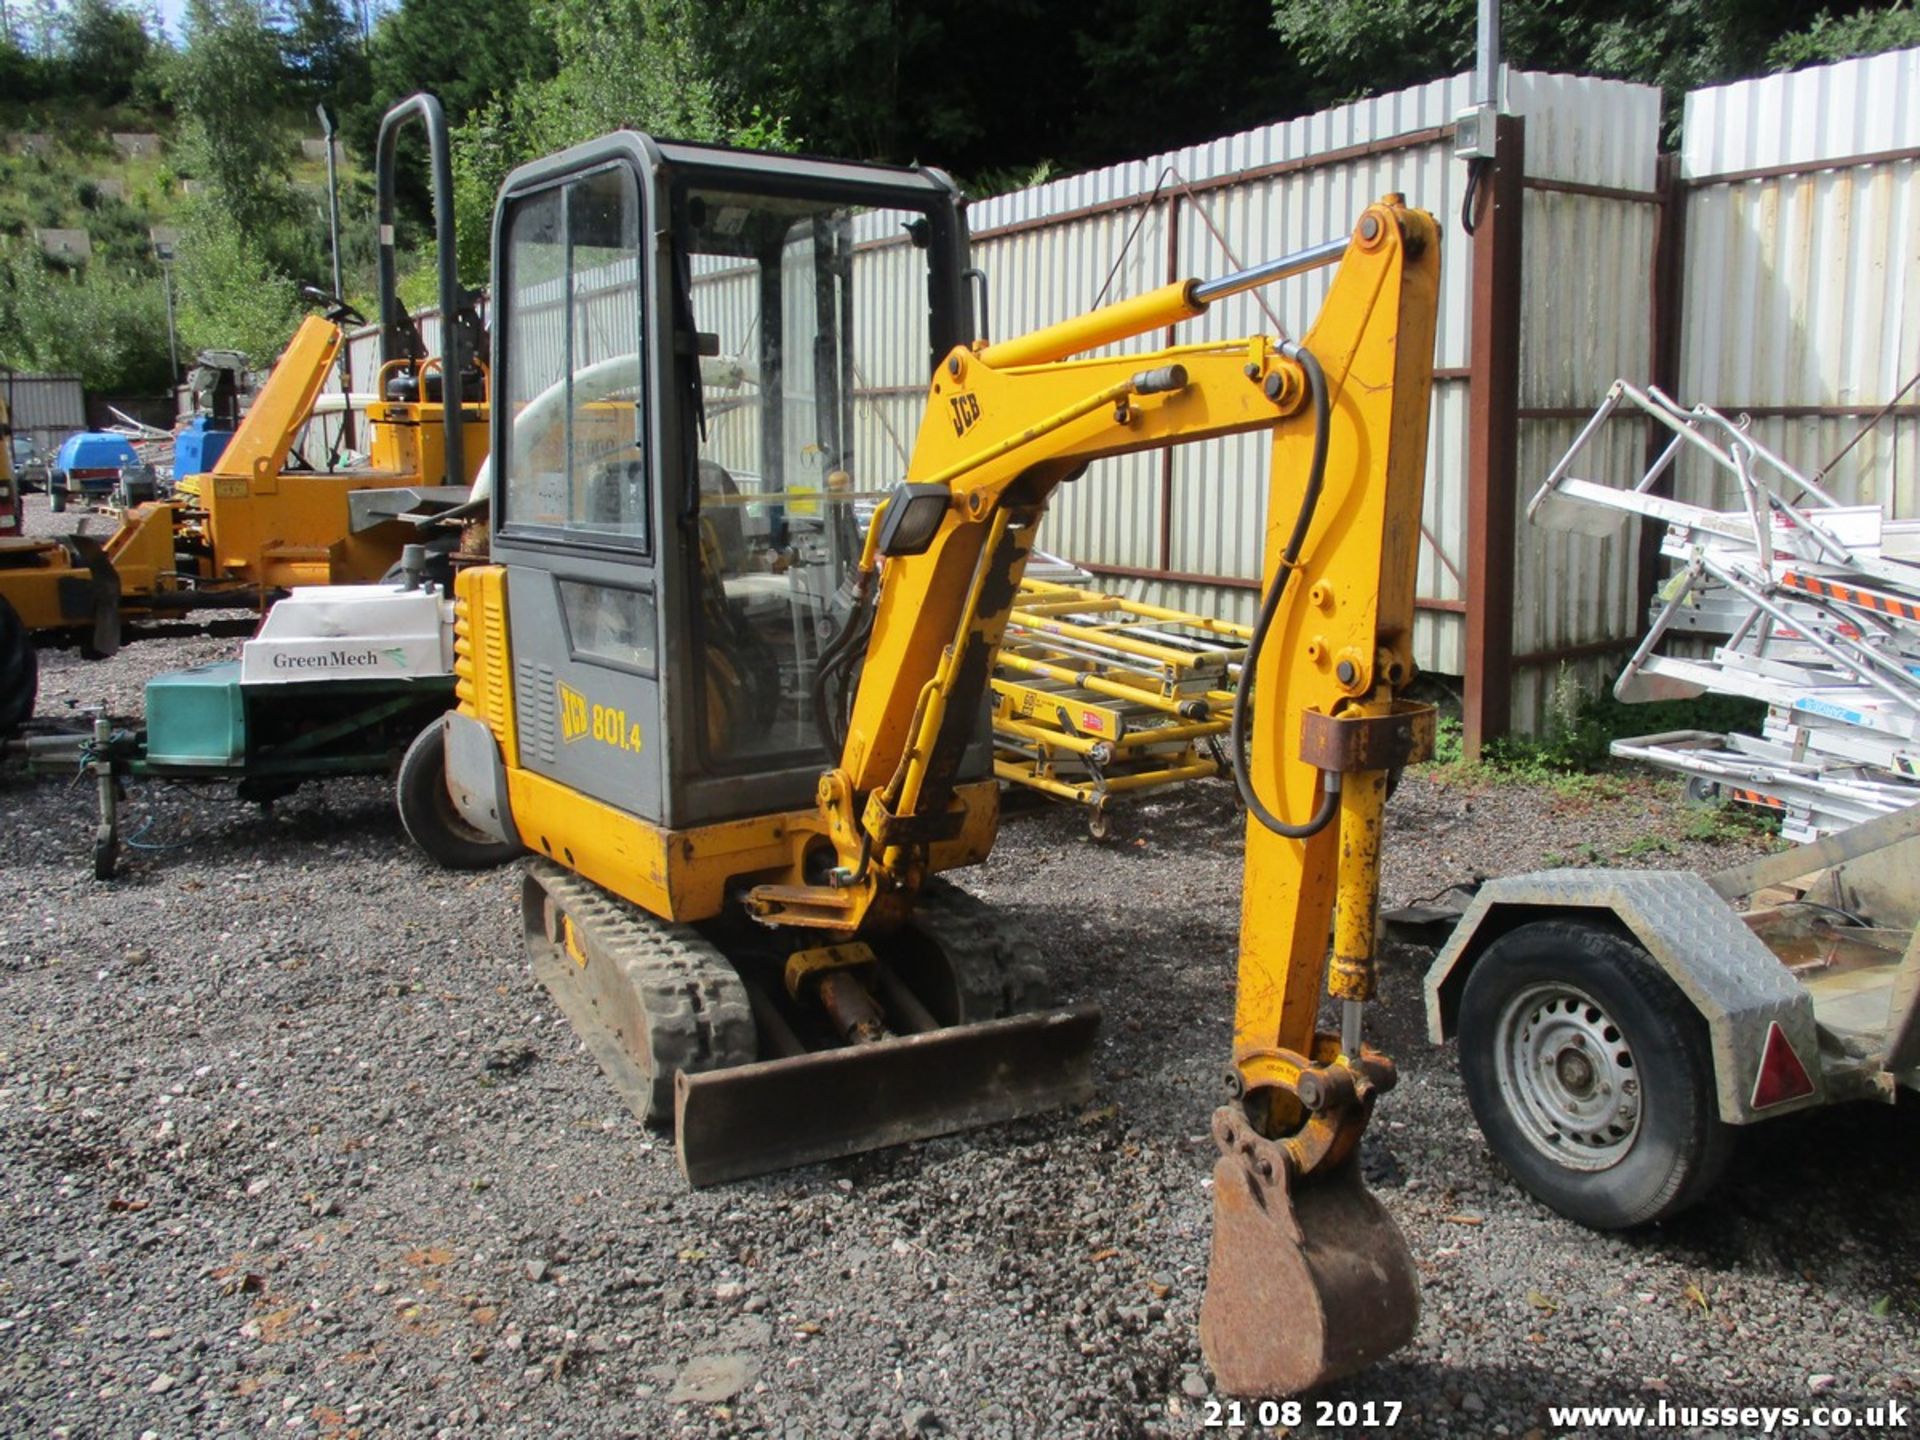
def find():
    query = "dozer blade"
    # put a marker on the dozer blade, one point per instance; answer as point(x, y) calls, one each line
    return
point(1309, 1279)
point(774, 1114)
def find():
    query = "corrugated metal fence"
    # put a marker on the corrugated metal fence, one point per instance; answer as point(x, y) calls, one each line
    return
point(1802, 292)
point(1765, 269)
point(1185, 527)
point(45, 408)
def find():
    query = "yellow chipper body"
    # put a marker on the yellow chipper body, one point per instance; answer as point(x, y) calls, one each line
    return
point(742, 734)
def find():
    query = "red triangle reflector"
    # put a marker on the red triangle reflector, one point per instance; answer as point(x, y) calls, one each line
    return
point(1782, 1077)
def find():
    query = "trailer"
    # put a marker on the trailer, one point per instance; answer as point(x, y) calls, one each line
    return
point(350, 680)
point(1618, 1028)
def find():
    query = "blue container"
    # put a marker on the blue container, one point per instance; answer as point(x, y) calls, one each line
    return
point(199, 447)
point(91, 460)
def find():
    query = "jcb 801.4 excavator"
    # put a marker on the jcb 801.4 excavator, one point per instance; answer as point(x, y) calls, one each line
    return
point(742, 733)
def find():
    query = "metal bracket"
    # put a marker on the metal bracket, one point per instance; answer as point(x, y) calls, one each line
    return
point(887, 828)
point(1344, 744)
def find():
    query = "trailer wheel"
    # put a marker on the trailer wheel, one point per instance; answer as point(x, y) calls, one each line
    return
point(19, 671)
point(428, 813)
point(56, 496)
point(1591, 1075)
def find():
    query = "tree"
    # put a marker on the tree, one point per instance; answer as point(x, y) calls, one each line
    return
point(464, 51)
point(1829, 38)
point(1355, 47)
point(107, 48)
point(231, 58)
point(323, 56)
point(231, 292)
point(105, 323)
point(24, 76)
point(907, 80)
point(992, 88)
point(620, 64)
point(1156, 76)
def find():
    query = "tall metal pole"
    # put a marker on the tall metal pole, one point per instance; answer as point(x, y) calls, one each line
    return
point(339, 291)
point(173, 346)
point(1486, 62)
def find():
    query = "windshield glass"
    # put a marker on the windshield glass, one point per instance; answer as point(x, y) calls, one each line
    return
point(812, 317)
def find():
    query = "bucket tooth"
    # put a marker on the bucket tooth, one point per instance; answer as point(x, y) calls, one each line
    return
point(1309, 1280)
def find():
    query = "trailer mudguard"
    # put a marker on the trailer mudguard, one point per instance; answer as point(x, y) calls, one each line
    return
point(1736, 984)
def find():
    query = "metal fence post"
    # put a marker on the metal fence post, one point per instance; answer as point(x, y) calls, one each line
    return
point(1493, 435)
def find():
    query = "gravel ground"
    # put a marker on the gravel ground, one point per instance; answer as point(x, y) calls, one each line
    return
point(293, 1144)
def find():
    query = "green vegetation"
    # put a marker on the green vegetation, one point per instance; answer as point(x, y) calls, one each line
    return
point(1571, 763)
point(1002, 93)
point(1355, 47)
point(230, 107)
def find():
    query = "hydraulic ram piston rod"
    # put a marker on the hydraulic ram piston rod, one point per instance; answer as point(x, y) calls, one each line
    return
point(1314, 257)
point(1170, 304)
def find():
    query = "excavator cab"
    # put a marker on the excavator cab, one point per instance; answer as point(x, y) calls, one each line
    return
point(683, 479)
point(726, 673)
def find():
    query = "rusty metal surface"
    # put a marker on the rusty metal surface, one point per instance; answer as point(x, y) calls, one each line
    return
point(1493, 439)
point(1378, 742)
point(1308, 1280)
point(776, 1114)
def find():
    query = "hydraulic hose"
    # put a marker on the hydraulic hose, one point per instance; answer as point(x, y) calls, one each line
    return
point(1270, 607)
point(846, 646)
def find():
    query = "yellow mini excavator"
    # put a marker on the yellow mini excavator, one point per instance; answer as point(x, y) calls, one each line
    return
point(741, 732)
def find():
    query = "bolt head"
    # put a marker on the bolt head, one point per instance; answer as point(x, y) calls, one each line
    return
point(1370, 227)
point(1346, 672)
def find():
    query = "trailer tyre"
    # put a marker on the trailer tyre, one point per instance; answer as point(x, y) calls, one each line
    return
point(1591, 1075)
point(19, 671)
point(428, 813)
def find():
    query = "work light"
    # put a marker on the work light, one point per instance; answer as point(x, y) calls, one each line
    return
point(912, 518)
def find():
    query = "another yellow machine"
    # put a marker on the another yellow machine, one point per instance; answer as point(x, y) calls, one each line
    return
point(741, 735)
point(261, 521)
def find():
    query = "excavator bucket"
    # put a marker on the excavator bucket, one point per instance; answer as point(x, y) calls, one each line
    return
point(774, 1114)
point(1309, 1279)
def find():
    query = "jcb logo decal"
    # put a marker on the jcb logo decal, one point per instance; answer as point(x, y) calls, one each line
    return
point(573, 712)
point(608, 724)
point(966, 410)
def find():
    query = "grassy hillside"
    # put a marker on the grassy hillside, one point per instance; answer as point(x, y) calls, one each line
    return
point(105, 318)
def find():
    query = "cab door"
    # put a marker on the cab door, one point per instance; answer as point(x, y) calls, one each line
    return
point(576, 523)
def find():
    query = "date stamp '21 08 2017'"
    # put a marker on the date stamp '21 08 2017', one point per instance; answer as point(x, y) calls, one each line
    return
point(1332, 1415)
